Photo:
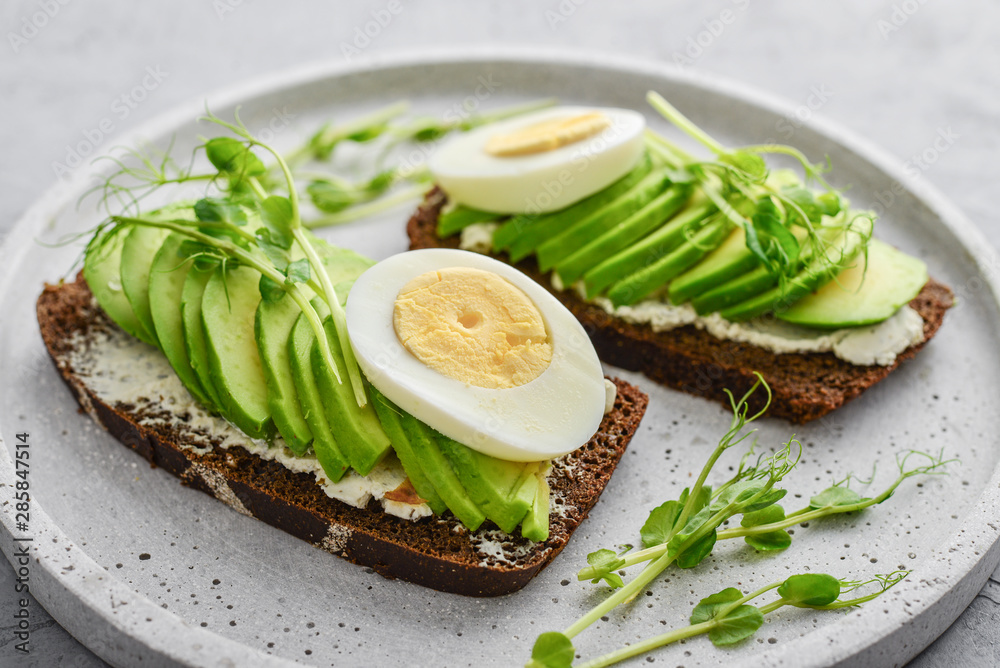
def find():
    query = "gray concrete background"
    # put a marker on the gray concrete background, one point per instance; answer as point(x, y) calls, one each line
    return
point(900, 72)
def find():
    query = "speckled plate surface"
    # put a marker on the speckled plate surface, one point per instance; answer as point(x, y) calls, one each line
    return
point(140, 568)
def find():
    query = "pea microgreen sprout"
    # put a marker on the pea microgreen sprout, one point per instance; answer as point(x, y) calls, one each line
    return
point(765, 529)
point(282, 217)
point(341, 198)
point(140, 173)
point(683, 532)
point(728, 617)
point(322, 143)
point(223, 249)
point(687, 527)
point(839, 499)
point(219, 226)
point(359, 211)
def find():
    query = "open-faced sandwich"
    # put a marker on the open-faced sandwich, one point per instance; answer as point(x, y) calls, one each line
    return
point(697, 272)
point(436, 416)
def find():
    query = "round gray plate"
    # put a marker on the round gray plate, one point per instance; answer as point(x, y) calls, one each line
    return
point(140, 568)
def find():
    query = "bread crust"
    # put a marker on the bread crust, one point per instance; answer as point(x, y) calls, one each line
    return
point(805, 386)
point(436, 552)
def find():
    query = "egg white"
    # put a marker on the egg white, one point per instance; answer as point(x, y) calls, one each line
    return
point(555, 413)
point(539, 182)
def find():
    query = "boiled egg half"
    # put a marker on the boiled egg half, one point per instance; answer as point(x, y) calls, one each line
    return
point(478, 351)
point(539, 162)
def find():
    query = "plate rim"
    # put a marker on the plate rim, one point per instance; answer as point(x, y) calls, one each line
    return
point(114, 637)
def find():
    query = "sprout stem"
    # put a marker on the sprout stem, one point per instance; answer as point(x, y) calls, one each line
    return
point(368, 209)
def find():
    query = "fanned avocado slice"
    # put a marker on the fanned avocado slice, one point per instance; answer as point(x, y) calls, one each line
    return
point(435, 465)
point(729, 260)
point(866, 293)
point(536, 523)
point(391, 418)
point(656, 275)
point(228, 309)
point(490, 482)
point(819, 270)
point(460, 217)
point(359, 432)
point(502, 491)
point(300, 345)
point(674, 233)
point(523, 233)
point(138, 251)
point(272, 328)
point(194, 333)
point(655, 215)
point(755, 280)
point(167, 277)
point(102, 270)
point(735, 290)
point(273, 325)
point(589, 228)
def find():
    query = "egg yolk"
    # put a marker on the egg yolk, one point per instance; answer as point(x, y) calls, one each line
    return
point(473, 326)
point(547, 135)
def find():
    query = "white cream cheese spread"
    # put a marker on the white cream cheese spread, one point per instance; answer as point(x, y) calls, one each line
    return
point(122, 370)
point(478, 237)
point(863, 346)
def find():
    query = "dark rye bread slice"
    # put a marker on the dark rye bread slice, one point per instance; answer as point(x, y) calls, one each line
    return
point(806, 386)
point(435, 552)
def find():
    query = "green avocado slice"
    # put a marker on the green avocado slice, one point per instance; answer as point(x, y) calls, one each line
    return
point(272, 328)
point(655, 215)
point(490, 482)
point(536, 522)
point(167, 277)
point(597, 222)
point(866, 293)
point(523, 233)
point(273, 325)
point(666, 239)
point(194, 332)
point(818, 270)
point(457, 219)
point(359, 432)
point(439, 471)
point(735, 290)
point(138, 251)
point(754, 281)
point(648, 279)
point(102, 271)
point(729, 260)
point(300, 344)
point(228, 309)
point(391, 418)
